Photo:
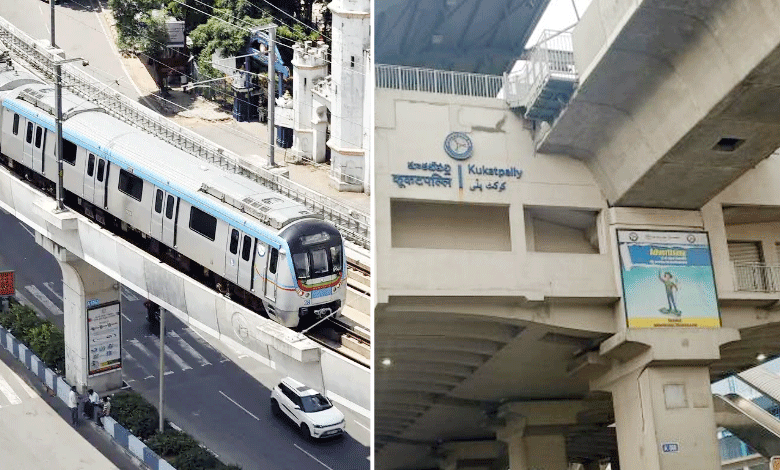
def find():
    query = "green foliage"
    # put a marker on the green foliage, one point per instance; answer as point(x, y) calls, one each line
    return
point(155, 37)
point(297, 33)
point(171, 442)
point(196, 458)
point(134, 413)
point(41, 336)
point(131, 17)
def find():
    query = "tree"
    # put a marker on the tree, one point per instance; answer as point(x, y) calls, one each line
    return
point(131, 16)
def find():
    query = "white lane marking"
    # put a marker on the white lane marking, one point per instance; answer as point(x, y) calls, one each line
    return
point(9, 393)
point(49, 285)
point(26, 387)
point(200, 339)
point(362, 426)
point(236, 403)
point(190, 350)
point(129, 357)
point(170, 353)
point(315, 458)
point(32, 234)
point(169, 372)
point(128, 296)
point(146, 352)
point(44, 300)
point(127, 318)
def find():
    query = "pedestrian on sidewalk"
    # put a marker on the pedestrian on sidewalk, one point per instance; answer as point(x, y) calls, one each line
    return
point(73, 404)
point(105, 411)
point(92, 404)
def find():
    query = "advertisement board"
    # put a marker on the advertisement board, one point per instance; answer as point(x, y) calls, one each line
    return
point(104, 338)
point(7, 284)
point(668, 280)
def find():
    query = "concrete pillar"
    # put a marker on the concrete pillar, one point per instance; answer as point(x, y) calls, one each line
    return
point(534, 433)
point(309, 67)
point(88, 294)
point(660, 385)
point(474, 455)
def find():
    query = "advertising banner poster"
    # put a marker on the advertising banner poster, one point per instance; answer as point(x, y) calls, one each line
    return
point(7, 283)
point(668, 279)
point(104, 341)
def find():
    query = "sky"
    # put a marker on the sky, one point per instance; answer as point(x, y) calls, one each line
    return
point(558, 15)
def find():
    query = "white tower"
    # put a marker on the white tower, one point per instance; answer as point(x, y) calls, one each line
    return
point(309, 118)
point(351, 38)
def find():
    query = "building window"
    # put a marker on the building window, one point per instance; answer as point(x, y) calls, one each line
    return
point(352, 62)
point(202, 223)
point(131, 185)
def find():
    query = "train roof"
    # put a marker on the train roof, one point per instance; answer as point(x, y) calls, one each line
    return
point(158, 161)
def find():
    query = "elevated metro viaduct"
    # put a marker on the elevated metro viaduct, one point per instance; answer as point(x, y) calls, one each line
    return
point(501, 334)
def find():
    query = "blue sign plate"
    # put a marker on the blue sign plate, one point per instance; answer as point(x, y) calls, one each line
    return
point(316, 294)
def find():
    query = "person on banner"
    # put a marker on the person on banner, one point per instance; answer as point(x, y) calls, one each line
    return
point(670, 283)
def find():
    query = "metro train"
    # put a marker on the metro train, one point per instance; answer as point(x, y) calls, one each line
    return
point(246, 241)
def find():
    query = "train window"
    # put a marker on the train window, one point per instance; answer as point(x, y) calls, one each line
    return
point(158, 199)
point(335, 257)
point(234, 241)
point(29, 132)
point(16, 124)
point(38, 136)
point(69, 151)
point(319, 262)
point(101, 169)
point(203, 223)
point(170, 205)
point(301, 263)
point(131, 185)
point(247, 248)
point(91, 165)
point(274, 259)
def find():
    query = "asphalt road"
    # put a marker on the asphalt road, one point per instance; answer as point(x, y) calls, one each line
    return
point(206, 392)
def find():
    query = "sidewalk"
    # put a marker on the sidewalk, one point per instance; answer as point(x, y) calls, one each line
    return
point(35, 429)
point(247, 139)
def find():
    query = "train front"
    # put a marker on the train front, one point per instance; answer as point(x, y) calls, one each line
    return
point(317, 252)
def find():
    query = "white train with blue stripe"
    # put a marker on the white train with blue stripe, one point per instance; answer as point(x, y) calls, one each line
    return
point(241, 238)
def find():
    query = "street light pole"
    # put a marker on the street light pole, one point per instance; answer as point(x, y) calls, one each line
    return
point(58, 121)
point(271, 94)
point(162, 363)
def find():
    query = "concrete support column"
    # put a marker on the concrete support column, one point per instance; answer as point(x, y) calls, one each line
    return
point(660, 385)
point(474, 455)
point(534, 433)
point(665, 419)
point(83, 286)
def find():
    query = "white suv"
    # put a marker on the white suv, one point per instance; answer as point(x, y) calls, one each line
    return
point(314, 414)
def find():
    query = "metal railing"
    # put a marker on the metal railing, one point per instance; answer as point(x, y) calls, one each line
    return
point(353, 223)
point(551, 58)
point(756, 277)
point(401, 77)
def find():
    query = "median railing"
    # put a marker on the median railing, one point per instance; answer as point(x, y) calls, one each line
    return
point(399, 77)
point(756, 277)
point(353, 223)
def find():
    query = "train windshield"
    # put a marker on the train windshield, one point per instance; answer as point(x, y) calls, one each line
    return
point(316, 249)
point(318, 261)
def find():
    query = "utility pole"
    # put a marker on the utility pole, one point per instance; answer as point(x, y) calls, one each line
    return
point(58, 121)
point(271, 94)
point(51, 7)
point(162, 363)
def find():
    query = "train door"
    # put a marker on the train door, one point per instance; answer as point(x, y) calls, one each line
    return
point(271, 275)
point(246, 262)
point(89, 179)
point(157, 214)
point(164, 214)
point(28, 144)
point(39, 142)
point(169, 221)
point(231, 256)
point(101, 179)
